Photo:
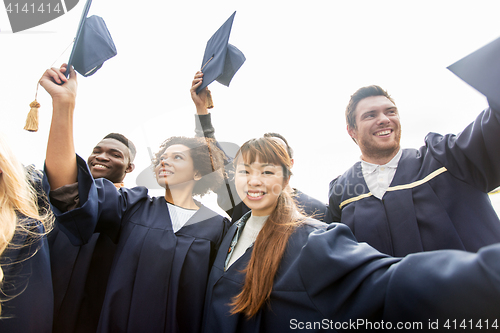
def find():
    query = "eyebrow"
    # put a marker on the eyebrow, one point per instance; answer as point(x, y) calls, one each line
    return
point(111, 149)
point(373, 111)
point(174, 153)
point(262, 165)
point(116, 150)
point(367, 112)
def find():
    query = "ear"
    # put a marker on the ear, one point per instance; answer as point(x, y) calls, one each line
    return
point(197, 176)
point(286, 182)
point(130, 168)
point(352, 133)
point(291, 161)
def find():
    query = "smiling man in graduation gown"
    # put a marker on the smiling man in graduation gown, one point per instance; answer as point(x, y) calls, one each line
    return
point(79, 273)
point(402, 201)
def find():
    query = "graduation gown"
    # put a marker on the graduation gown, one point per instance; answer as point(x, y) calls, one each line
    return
point(158, 278)
point(27, 276)
point(437, 199)
point(79, 278)
point(327, 281)
point(78, 273)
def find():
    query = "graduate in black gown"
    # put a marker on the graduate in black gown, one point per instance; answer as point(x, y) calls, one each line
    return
point(80, 273)
point(26, 299)
point(165, 245)
point(278, 271)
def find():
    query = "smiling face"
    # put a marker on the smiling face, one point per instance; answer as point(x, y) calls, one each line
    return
point(110, 159)
point(176, 167)
point(259, 185)
point(378, 130)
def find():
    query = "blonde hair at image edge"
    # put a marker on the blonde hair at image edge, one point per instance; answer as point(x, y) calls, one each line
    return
point(18, 203)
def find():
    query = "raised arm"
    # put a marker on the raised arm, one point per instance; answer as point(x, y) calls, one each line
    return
point(204, 128)
point(60, 163)
point(203, 120)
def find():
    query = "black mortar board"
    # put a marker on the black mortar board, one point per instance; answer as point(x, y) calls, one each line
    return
point(221, 60)
point(93, 44)
point(481, 70)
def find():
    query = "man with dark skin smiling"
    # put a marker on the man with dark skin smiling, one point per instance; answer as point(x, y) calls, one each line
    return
point(112, 158)
point(403, 201)
point(78, 271)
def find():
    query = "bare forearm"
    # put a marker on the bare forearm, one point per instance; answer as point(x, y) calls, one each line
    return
point(60, 160)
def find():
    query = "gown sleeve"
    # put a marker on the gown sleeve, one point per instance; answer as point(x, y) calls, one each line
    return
point(362, 283)
point(357, 277)
point(101, 207)
point(446, 285)
point(471, 156)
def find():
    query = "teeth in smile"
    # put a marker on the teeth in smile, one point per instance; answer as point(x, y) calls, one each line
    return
point(384, 132)
point(255, 194)
point(100, 166)
point(165, 173)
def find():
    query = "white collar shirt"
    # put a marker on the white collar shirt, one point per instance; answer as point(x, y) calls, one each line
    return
point(179, 216)
point(379, 177)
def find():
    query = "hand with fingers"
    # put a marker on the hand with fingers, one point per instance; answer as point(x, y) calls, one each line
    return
point(203, 100)
point(60, 88)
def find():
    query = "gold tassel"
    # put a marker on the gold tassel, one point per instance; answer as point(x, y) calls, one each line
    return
point(32, 119)
point(210, 102)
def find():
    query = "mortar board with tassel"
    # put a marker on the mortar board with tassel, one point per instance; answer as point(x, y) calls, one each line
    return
point(92, 46)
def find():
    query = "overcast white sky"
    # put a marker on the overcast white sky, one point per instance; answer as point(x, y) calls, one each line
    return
point(304, 60)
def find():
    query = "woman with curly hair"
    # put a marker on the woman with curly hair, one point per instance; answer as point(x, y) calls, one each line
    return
point(165, 245)
point(26, 289)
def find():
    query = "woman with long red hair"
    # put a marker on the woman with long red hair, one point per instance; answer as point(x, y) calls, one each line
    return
point(277, 270)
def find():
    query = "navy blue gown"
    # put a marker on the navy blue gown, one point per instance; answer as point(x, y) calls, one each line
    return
point(158, 278)
point(27, 276)
point(79, 278)
point(327, 280)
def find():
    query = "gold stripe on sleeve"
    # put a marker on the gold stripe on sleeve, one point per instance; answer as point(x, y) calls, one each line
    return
point(399, 187)
point(359, 197)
